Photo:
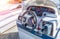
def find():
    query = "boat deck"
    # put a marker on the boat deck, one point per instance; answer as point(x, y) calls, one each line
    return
point(10, 34)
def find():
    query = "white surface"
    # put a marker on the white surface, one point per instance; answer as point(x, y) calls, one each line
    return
point(58, 37)
point(9, 20)
point(8, 26)
point(27, 35)
point(11, 30)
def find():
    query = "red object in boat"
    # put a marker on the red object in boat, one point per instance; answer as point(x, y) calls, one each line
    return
point(38, 28)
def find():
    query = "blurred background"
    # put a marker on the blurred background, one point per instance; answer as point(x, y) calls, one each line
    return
point(9, 11)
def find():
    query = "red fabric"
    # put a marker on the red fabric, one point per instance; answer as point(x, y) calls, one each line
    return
point(38, 28)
